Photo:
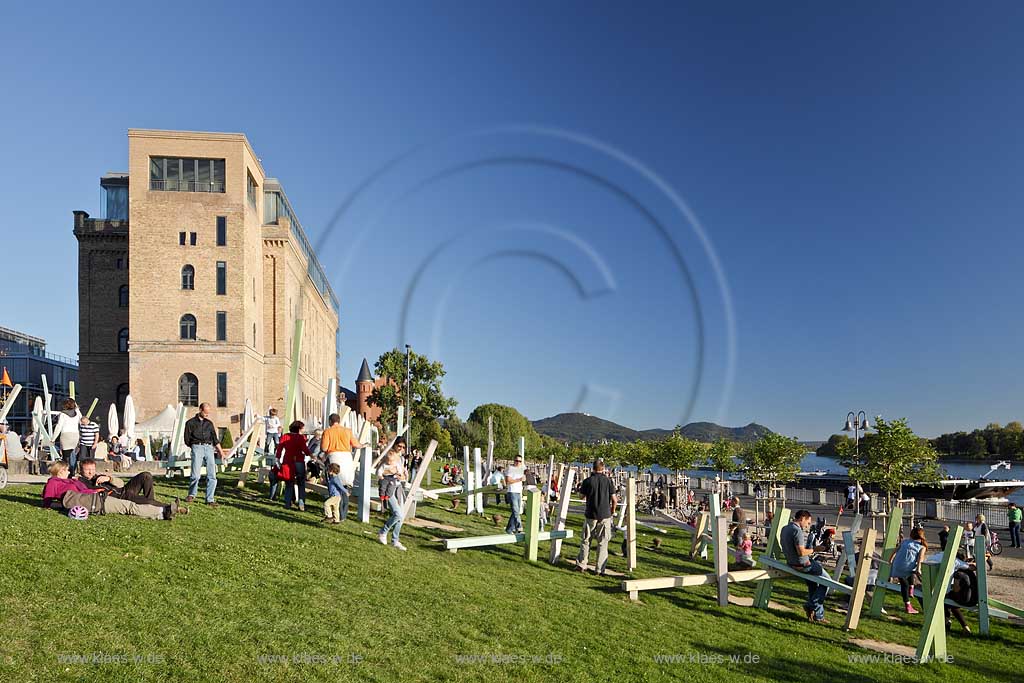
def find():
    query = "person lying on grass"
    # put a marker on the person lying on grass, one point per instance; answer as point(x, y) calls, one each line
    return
point(63, 493)
point(139, 488)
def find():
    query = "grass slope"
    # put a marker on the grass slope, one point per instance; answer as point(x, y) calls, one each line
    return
point(209, 596)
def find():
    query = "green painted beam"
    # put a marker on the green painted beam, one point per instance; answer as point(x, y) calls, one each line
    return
point(532, 525)
point(979, 554)
point(293, 377)
point(892, 533)
point(764, 588)
point(932, 643)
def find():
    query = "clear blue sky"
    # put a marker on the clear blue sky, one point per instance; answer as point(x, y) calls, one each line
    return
point(856, 168)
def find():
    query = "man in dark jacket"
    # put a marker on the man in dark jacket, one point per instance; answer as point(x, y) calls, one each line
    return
point(201, 436)
point(599, 493)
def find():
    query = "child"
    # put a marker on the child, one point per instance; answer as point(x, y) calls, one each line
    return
point(337, 496)
point(906, 566)
point(275, 479)
point(391, 476)
point(745, 551)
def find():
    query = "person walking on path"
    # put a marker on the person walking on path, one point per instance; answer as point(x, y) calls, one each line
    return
point(201, 438)
point(1014, 515)
point(598, 492)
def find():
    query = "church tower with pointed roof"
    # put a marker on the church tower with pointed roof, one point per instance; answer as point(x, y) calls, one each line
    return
point(364, 387)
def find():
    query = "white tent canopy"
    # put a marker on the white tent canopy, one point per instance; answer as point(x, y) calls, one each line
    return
point(160, 424)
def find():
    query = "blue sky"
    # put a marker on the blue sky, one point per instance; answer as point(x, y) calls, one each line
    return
point(855, 169)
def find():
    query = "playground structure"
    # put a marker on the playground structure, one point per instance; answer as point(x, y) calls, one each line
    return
point(931, 643)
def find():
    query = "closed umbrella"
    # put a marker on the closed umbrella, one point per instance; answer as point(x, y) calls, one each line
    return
point(129, 417)
point(112, 420)
point(247, 416)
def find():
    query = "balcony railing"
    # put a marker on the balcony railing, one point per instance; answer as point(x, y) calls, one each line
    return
point(185, 186)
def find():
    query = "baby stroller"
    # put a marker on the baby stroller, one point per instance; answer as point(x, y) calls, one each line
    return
point(823, 535)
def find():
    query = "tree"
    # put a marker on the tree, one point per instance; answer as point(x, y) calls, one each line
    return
point(894, 457)
point(509, 425)
point(428, 401)
point(433, 431)
point(720, 457)
point(676, 452)
point(830, 449)
point(464, 434)
point(772, 458)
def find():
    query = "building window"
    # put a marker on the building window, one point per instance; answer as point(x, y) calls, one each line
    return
point(188, 277)
point(222, 390)
point(117, 202)
point(120, 263)
point(222, 277)
point(169, 174)
point(122, 296)
point(188, 390)
point(192, 238)
point(251, 190)
point(188, 327)
point(122, 340)
point(222, 231)
point(222, 326)
point(254, 335)
point(181, 238)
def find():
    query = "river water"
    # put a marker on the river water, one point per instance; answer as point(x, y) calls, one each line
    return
point(954, 470)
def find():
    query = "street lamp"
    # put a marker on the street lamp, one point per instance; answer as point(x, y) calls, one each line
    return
point(857, 423)
point(408, 401)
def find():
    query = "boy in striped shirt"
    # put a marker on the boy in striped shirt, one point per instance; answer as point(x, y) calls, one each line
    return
point(89, 433)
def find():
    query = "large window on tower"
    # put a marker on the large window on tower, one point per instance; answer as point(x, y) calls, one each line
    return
point(170, 174)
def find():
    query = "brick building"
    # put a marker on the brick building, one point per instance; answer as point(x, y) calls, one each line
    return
point(359, 401)
point(190, 286)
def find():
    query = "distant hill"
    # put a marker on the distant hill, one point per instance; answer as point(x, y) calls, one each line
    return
point(587, 428)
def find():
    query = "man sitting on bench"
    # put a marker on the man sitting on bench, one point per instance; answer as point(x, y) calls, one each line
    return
point(798, 556)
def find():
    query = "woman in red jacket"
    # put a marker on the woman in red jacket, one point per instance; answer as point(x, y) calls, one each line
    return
point(293, 467)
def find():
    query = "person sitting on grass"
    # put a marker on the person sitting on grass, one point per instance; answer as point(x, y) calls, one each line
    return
point(391, 487)
point(337, 496)
point(139, 489)
point(906, 566)
point(798, 556)
point(63, 493)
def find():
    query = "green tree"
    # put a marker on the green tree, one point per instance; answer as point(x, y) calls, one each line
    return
point(464, 434)
point(432, 431)
point(428, 401)
point(676, 452)
point(896, 456)
point(720, 457)
point(830, 449)
point(509, 425)
point(773, 458)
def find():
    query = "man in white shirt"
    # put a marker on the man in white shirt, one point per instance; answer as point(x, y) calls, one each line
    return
point(514, 477)
point(273, 426)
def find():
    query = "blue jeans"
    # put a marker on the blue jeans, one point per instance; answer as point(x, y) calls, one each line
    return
point(394, 523)
point(203, 454)
point(272, 441)
point(815, 591)
point(1015, 534)
point(298, 479)
point(71, 458)
point(515, 523)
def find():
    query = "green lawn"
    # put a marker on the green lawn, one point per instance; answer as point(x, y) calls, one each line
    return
point(212, 594)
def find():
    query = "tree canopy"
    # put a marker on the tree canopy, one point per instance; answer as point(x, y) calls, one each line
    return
point(428, 401)
point(772, 458)
point(895, 456)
